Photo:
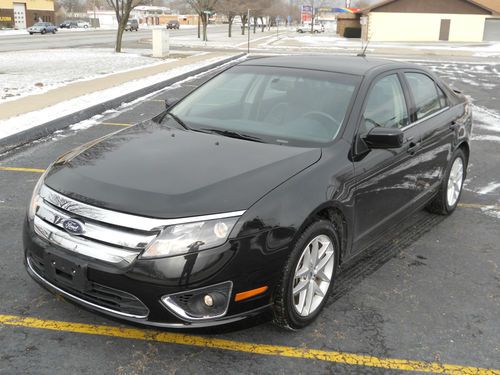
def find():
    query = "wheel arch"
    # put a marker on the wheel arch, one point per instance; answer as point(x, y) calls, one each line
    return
point(465, 147)
point(333, 213)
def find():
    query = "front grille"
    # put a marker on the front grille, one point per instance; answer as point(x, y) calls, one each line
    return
point(100, 295)
point(98, 239)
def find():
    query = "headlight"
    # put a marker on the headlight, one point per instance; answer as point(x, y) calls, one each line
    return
point(35, 198)
point(190, 237)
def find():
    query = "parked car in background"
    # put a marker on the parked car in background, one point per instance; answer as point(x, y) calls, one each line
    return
point(259, 185)
point(84, 24)
point(306, 28)
point(68, 25)
point(42, 28)
point(173, 24)
point(132, 25)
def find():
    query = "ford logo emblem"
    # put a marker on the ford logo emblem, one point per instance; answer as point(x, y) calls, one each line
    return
point(73, 226)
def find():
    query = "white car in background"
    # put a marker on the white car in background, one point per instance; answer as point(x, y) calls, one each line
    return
point(83, 24)
point(306, 28)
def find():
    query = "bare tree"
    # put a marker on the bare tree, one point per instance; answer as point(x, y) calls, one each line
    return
point(71, 6)
point(122, 10)
point(203, 8)
point(228, 8)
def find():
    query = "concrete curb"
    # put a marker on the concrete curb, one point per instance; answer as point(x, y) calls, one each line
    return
point(13, 141)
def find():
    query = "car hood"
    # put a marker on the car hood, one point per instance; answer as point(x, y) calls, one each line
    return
point(157, 171)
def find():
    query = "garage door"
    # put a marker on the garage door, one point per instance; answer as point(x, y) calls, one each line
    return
point(492, 29)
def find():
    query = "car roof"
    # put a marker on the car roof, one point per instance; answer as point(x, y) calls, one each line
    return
point(355, 65)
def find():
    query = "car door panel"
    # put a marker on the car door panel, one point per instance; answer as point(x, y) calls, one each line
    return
point(437, 132)
point(386, 179)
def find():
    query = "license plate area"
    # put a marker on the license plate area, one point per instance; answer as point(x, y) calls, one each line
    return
point(66, 273)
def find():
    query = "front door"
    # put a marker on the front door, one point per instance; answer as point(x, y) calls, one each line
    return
point(385, 178)
point(444, 31)
point(19, 15)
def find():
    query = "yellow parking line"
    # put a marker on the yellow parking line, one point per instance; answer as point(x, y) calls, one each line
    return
point(479, 206)
point(244, 347)
point(14, 169)
point(156, 100)
point(115, 124)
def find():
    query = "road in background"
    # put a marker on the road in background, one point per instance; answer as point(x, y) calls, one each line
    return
point(89, 38)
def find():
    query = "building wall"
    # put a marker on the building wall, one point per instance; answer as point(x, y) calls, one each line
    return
point(424, 27)
point(345, 20)
point(35, 10)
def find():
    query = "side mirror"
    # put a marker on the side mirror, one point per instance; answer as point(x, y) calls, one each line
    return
point(170, 102)
point(380, 137)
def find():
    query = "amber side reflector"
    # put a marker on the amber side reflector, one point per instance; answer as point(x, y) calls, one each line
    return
point(249, 293)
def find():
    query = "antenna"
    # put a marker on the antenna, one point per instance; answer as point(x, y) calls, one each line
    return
point(363, 49)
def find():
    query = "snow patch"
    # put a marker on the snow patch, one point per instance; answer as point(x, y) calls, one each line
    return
point(35, 72)
point(491, 187)
point(29, 120)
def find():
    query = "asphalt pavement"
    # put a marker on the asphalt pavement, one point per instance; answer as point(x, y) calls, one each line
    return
point(426, 298)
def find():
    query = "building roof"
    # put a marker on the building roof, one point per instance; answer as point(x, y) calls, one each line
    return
point(354, 65)
point(492, 6)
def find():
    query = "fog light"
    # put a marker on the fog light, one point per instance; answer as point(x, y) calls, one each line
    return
point(198, 304)
point(208, 300)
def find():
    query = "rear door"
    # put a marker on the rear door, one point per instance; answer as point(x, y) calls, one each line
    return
point(435, 122)
point(385, 178)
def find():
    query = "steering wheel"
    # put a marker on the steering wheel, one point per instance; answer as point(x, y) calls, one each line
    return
point(323, 118)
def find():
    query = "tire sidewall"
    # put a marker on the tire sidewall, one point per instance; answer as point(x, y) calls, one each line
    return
point(316, 229)
point(456, 155)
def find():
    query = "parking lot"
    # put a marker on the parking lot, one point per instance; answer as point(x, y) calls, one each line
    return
point(426, 298)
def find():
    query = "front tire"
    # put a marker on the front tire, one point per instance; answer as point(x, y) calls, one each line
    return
point(448, 196)
point(308, 276)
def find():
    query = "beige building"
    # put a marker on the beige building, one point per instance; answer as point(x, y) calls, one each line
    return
point(432, 20)
point(21, 14)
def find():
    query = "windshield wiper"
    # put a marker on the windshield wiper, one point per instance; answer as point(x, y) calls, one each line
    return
point(179, 121)
point(232, 134)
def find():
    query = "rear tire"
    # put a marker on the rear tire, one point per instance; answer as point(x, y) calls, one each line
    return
point(43, 31)
point(449, 193)
point(308, 276)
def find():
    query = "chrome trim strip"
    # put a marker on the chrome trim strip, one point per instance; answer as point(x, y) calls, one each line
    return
point(171, 306)
point(425, 118)
point(81, 245)
point(109, 235)
point(119, 218)
point(71, 296)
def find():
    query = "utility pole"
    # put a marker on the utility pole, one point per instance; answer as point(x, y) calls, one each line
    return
point(248, 20)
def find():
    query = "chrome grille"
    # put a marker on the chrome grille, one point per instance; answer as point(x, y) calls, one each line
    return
point(101, 240)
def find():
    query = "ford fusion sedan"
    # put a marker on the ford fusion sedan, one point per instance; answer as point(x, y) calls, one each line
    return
point(42, 28)
point(249, 194)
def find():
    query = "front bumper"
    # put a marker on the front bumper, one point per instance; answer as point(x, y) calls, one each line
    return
point(133, 292)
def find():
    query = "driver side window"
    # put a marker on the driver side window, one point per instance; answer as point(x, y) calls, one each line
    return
point(386, 105)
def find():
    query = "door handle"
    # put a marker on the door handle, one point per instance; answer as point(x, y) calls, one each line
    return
point(413, 147)
point(453, 125)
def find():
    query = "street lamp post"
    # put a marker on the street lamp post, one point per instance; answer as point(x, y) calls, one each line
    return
point(248, 20)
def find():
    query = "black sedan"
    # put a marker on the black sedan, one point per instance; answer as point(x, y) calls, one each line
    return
point(249, 193)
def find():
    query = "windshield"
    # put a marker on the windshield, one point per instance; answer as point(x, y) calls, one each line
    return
point(275, 105)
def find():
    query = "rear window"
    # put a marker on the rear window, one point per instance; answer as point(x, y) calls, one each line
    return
point(428, 97)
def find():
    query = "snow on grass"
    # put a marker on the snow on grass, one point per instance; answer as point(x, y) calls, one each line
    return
point(29, 120)
point(34, 72)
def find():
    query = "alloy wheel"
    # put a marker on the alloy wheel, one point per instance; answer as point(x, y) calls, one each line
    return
point(313, 275)
point(455, 181)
